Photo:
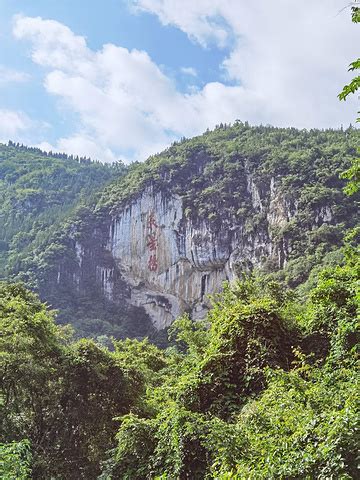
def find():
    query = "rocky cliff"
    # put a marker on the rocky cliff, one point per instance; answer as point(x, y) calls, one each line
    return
point(160, 241)
point(171, 264)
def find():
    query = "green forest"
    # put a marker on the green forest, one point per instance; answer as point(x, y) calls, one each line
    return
point(38, 191)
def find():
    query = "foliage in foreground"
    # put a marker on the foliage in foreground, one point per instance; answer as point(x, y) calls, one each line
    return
point(60, 395)
point(235, 407)
point(15, 460)
point(266, 388)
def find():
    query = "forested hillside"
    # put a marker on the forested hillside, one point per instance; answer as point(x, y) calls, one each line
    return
point(270, 198)
point(209, 173)
point(37, 192)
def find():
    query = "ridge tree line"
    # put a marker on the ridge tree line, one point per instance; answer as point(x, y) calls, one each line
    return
point(63, 155)
point(49, 153)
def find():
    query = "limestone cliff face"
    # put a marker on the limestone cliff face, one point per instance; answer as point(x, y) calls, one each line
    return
point(170, 264)
point(154, 257)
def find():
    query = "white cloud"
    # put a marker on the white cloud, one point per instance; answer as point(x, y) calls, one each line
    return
point(126, 105)
point(291, 57)
point(54, 44)
point(8, 75)
point(200, 19)
point(80, 145)
point(189, 71)
point(287, 62)
point(13, 123)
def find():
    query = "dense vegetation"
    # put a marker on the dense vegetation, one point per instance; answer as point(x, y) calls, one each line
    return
point(37, 192)
point(216, 162)
point(265, 388)
point(210, 173)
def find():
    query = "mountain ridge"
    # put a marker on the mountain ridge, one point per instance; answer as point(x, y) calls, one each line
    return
point(275, 191)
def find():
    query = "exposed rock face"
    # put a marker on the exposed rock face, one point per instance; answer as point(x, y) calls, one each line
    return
point(170, 264)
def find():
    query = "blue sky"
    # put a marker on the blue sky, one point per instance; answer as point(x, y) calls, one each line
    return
point(122, 79)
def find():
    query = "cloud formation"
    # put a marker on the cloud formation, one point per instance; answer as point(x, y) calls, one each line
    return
point(189, 71)
point(286, 62)
point(12, 124)
point(8, 75)
point(124, 101)
point(290, 56)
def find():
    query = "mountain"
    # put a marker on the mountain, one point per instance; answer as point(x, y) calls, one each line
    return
point(155, 242)
point(37, 191)
point(265, 386)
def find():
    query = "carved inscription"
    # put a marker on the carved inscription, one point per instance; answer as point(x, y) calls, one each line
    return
point(152, 242)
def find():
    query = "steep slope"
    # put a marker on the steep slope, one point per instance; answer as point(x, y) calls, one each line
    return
point(37, 191)
point(209, 209)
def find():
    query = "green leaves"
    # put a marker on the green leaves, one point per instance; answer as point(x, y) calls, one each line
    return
point(252, 393)
point(354, 85)
point(353, 175)
point(355, 12)
point(300, 428)
point(61, 395)
point(15, 460)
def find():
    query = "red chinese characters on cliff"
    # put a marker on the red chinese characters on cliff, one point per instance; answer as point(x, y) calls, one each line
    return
point(152, 263)
point(151, 223)
point(152, 242)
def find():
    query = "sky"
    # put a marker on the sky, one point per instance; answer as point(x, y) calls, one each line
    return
point(122, 79)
